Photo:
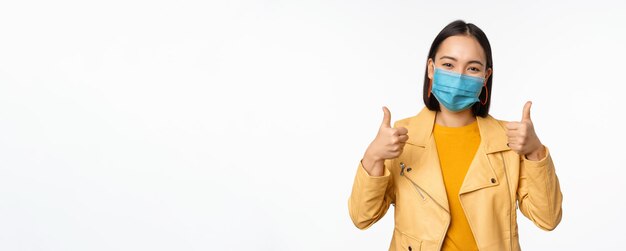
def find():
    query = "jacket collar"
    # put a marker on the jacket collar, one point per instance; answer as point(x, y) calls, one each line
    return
point(492, 133)
point(481, 172)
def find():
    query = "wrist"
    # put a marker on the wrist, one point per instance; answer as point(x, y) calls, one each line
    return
point(537, 154)
point(371, 158)
point(372, 164)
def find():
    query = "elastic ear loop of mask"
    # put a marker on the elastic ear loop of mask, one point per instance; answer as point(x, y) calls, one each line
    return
point(430, 87)
point(430, 83)
point(486, 94)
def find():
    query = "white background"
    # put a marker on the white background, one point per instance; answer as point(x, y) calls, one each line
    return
point(238, 125)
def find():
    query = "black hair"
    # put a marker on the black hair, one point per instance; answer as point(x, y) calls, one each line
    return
point(460, 27)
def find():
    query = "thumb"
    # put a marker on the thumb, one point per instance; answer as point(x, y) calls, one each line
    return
point(386, 118)
point(526, 113)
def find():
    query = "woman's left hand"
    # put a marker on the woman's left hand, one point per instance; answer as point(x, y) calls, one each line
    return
point(522, 137)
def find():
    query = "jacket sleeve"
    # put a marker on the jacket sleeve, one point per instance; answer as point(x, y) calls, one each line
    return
point(539, 193)
point(370, 197)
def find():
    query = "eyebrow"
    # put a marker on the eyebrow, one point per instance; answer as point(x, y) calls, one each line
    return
point(454, 59)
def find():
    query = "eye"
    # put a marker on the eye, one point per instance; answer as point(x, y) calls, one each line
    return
point(474, 69)
point(449, 65)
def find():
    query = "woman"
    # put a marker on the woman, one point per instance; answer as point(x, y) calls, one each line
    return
point(454, 174)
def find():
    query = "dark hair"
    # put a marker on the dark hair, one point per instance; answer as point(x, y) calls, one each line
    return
point(459, 27)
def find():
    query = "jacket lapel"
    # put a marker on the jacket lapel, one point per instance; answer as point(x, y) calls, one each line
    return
point(481, 172)
point(427, 170)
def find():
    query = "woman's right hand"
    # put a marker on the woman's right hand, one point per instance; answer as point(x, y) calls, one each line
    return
point(388, 144)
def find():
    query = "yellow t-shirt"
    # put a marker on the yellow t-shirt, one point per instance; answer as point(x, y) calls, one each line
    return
point(456, 147)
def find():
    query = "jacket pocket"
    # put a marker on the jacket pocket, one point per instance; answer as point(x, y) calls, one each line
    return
point(409, 243)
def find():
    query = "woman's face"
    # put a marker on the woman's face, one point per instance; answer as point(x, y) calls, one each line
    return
point(462, 54)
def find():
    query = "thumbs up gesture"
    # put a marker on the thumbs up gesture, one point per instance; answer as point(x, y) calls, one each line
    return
point(522, 137)
point(388, 144)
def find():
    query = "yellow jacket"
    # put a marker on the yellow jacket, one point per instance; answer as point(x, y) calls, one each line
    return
point(498, 180)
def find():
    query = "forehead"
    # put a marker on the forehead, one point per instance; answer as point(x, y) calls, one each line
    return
point(461, 47)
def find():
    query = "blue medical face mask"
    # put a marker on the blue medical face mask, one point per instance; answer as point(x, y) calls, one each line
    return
point(456, 91)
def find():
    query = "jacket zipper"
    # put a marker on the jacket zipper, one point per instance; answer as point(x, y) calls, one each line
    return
point(419, 191)
point(418, 188)
point(506, 173)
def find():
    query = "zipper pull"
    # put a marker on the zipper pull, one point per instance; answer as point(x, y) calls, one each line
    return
point(402, 168)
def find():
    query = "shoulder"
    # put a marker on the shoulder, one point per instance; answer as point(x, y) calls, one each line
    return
point(500, 122)
point(423, 116)
point(491, 125)
point(404, 122)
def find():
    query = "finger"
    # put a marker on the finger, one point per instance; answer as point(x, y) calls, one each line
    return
point(512, 125)
point(395, 154)
point(399, 149)
point(526, 113)
point(403, 138)
point(512, 133)
point(395, 148)
point(401, 131)
point(514, 146)
point(513, 140)
point(386, 118)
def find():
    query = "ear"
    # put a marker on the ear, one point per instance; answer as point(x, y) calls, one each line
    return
point(488, 74)
point(431, 68)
